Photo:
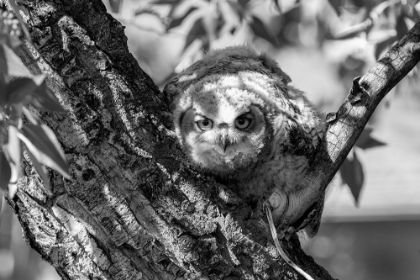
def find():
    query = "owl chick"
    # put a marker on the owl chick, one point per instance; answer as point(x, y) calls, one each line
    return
point(237, 117)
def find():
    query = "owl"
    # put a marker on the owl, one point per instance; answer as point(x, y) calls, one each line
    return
point(236, 117)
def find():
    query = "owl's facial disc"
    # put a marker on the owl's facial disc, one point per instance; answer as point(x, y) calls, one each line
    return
point(223, 142)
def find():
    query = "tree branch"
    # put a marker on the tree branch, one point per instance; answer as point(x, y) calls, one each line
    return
point(346, 125)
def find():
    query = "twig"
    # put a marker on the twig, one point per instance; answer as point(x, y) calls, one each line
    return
point(346, 125)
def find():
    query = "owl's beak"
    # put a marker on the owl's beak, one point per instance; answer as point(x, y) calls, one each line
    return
point(225, 147)
point(224, 143)
point(223, 137)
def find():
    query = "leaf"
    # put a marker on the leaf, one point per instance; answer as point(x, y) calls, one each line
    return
point(17, 9)
point(31, 118)
point(12, 189)
point(231, 14)
point(352, 174)
point(260, 30)
point(115, 5)
point(12, 151)
point(3, 96)
point(11, 41)
point(148, 11)
point(401, 27)
point(196, 31)
point(18, 89)
point(244, 3)
point(336, 4)
point(11, 64)
point(383, 45)
point(45, 99)
point(40, 170)
point(178, 20)
point(42, 143)
point(366, 141)
point(1, 204)
point(277, 5)
point(164, 2)
point(36, 87)
point(5, 172)
point(236, 9)
point(283, 6)
point(375, 9)
point(354, 30)
point(15, 115)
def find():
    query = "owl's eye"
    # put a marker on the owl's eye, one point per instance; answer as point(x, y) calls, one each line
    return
point(205, 124)
point(243, 122)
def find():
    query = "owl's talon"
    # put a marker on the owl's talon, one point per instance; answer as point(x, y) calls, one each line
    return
point(281, 234)
point(274, 200)
point(289, 232)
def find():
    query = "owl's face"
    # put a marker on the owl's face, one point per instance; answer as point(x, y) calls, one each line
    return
point(223, 133)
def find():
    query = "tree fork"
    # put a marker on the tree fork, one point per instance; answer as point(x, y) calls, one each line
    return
point(133, 210)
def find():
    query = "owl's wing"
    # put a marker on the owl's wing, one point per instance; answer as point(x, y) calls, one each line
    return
point(306, 129)
point(305, 133)
point(304, 138)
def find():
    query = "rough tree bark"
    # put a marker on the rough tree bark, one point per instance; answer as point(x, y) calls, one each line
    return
point(133, 210)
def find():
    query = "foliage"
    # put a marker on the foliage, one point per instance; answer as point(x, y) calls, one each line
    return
point(20, 91)
point(376, 23)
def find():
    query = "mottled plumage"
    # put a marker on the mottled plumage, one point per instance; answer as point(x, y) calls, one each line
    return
point(237, 117)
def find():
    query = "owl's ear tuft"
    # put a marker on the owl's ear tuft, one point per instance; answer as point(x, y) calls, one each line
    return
point(171, 92)
point(273, 66)
point(168, 120)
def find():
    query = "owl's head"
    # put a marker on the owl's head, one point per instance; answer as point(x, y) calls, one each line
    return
point(225, 106)
point(223, 132)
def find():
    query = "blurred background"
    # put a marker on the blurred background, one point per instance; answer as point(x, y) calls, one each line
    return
point(371, 221)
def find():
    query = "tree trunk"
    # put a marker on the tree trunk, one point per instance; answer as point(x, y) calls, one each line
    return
point(132, 209)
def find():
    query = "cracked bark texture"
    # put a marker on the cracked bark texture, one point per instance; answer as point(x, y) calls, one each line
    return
point(133, 210)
